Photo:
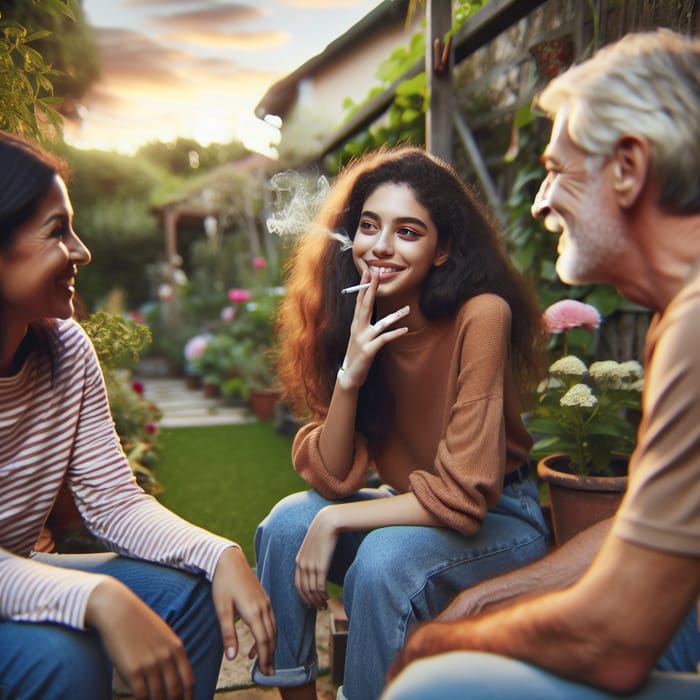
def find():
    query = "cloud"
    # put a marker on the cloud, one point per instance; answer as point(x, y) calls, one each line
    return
point(233, 40)
point(131, 57)
point(208, 18)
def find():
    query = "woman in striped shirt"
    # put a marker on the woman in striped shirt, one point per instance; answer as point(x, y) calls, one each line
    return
point(158, 606)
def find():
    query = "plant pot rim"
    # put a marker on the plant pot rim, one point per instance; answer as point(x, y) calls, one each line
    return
point(582, 482)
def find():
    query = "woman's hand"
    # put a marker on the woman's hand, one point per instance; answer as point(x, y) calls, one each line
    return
point(235, 589)
point(146, 652)
point(366, 338)
point(314, 559)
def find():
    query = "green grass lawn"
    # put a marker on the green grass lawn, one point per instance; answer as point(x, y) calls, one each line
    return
point(226, 478)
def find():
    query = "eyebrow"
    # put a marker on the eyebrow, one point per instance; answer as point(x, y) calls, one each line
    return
point(62, 217)
point(399, 220)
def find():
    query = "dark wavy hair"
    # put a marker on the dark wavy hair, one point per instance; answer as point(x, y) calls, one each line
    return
point(314, 319)
point(26, 173)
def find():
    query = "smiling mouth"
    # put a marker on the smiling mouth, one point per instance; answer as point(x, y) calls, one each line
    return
point(383, 271)
point(67, 283)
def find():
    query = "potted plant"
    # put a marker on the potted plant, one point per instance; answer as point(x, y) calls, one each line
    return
point(263, 389)
point(585, 428)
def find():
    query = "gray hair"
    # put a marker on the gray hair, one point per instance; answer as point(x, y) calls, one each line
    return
point(646, 84)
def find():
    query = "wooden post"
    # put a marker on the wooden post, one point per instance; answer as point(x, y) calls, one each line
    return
point(438, 67)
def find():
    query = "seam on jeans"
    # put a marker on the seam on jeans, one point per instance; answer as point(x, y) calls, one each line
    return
point(403, 621)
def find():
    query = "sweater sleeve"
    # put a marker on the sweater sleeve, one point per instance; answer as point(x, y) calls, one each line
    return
point(112, 504)
point(307, 461)
point(36, 592)
point(469, 466)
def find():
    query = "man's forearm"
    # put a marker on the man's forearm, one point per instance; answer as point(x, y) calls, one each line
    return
point(607, 630)
point(559, 569)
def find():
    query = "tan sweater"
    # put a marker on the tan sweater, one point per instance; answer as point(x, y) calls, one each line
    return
point(457, 427)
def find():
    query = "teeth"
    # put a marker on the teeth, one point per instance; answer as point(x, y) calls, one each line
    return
point(382, 270)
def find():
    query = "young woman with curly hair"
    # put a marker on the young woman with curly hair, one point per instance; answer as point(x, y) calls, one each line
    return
point(417, 378)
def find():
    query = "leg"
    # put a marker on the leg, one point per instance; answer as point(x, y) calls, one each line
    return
point(183, 600)
point(480, 676)
point(52, 662)
point(405, 575)
point(277, 542)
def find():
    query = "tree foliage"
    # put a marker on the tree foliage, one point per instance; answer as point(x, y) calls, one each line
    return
point(186, 157)
point(112, 195)
point(65, 41)
point(27, 102)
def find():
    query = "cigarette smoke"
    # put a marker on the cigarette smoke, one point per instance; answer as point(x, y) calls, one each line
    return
point(295, 201)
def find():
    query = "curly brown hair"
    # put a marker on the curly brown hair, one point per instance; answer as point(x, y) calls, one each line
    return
point(313, 325)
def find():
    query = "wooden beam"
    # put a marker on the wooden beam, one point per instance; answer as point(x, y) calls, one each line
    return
point(438, 60)
point(487, 23)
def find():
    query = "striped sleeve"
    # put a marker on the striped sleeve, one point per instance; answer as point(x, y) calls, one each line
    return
point(55, 432)
point(112, 504)
point(36, 592)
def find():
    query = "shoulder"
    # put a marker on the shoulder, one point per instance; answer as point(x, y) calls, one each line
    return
point(72, 337)
point(74, 351)
point(487, 308)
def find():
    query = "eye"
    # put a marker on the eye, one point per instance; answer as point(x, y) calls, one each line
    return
point(406, 232)
point(60, 231)
point(367, 226)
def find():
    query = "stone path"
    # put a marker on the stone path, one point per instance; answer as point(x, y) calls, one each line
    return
point(183, 407)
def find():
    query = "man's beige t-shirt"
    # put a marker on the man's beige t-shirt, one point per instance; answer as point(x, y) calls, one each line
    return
point(662, 506)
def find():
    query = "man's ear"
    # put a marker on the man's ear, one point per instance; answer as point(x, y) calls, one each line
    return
point(630, 169)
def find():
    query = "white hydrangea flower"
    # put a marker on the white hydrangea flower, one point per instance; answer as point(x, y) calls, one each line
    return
point(608, 373)
point(633, 369)
point(569, 365)
point(579, 395)
point(637, 385)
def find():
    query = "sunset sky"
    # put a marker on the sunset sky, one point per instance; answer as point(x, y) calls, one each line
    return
point(197, 68)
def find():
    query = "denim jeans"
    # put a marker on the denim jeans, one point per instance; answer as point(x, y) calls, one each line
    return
point(44, 661)
point(481, 676)
point(392, 577)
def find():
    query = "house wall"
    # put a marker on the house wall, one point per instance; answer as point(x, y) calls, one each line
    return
point(352, 73)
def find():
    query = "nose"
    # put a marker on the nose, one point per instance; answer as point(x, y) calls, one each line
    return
point(383, 245)
point(79, 252)
point(541, 207)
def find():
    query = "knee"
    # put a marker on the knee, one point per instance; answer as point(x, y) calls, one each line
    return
point(375, 576)
point(289, 519)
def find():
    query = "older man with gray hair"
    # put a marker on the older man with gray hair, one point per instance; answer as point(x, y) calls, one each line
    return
point(614, 609)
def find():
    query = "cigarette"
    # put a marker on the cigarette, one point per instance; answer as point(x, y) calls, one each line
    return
point(355, 288)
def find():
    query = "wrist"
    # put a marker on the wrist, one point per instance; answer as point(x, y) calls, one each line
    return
point(329, 519)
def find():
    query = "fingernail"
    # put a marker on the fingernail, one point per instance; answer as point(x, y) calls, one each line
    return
point(231, 653)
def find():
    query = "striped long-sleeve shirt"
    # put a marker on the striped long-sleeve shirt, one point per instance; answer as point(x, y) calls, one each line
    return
point(65, 433)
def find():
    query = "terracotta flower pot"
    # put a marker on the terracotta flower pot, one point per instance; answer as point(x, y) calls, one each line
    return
point(210, 390)
point(262, 402)
point(577, 501)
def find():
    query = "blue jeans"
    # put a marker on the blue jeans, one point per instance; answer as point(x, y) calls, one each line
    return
point(44, 661)
point(481, 676)
point(392, 577)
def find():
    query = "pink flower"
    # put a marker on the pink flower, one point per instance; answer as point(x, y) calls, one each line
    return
point(259, 262)
point(151, 428)
point(138, 388)
point(569, 313)
point(239, 296)
point(228, 313)
point(195, 346)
